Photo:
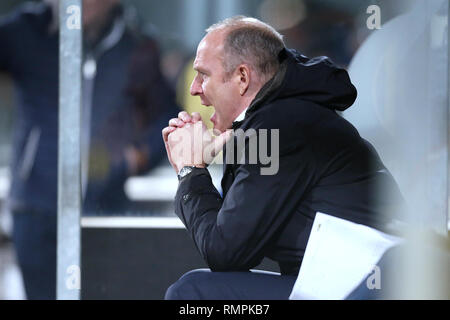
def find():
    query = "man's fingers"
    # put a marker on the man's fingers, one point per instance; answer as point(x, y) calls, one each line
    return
point(184, 118)
point(176, 122)
point(166, 131)
point(183, 115)
point(196, 117)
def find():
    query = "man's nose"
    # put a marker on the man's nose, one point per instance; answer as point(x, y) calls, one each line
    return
point(196, 87)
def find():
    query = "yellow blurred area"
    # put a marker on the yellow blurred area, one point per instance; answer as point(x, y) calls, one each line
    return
point(188, 102)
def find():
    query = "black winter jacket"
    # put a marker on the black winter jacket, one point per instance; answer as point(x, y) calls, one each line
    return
point(324, 166)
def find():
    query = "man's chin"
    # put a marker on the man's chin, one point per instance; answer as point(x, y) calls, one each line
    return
point(219, 128)
point(217, 131)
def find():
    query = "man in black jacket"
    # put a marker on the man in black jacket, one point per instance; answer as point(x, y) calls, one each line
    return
point(255, 83)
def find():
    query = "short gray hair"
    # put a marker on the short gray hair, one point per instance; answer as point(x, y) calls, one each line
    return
point(249, 40)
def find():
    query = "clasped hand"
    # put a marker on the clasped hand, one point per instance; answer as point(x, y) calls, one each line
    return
point(189, 143)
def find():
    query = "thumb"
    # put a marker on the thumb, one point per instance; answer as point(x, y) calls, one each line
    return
point(221, 140)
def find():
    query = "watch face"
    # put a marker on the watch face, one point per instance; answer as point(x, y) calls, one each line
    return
point(184, 171)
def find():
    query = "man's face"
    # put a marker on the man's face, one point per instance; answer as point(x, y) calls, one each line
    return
point(211, 83)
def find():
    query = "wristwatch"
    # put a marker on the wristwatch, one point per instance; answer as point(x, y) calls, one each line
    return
point(186, 170)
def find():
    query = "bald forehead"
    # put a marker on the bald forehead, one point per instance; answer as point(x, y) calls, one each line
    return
point(211, 46)
point(214, 39)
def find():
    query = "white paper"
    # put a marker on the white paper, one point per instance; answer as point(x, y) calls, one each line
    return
point(338, 256)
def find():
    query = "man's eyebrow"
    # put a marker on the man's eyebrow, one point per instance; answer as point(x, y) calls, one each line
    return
point(200, 69)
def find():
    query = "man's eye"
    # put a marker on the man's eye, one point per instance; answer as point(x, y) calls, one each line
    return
point(199, 77)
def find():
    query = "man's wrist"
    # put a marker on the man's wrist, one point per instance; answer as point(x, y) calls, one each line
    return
point(188, 169)
point(200, 166)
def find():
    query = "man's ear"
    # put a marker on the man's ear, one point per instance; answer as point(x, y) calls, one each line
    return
point(243, 78)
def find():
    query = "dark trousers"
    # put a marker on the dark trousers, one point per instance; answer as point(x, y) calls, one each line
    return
point(34, 237)
point(202, 284)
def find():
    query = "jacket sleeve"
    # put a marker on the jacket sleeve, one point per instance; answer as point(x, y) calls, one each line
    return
point(233, 233)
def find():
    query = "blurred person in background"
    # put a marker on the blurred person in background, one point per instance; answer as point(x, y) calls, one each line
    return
point(126, 102)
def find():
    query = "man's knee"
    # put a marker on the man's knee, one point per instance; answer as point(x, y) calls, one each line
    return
point(188, 287)
point(172, 292)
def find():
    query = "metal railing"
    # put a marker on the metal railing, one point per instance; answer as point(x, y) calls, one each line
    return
point(69, 150)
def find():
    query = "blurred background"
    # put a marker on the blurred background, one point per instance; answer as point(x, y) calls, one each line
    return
point(137, 69)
